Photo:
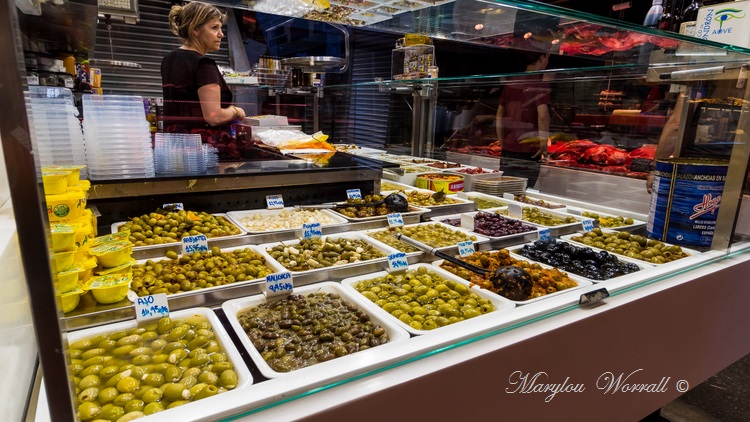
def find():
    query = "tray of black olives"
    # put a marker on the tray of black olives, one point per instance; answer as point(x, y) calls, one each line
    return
point(595, 265)
point(633, 246)
point(316, 324)
point(129, 370)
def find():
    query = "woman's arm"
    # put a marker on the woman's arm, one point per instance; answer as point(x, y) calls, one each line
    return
point(543, 119)
point(213, 114)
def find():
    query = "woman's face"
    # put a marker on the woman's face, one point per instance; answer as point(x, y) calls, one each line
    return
point(208, 37)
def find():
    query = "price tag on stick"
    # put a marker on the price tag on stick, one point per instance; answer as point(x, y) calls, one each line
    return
point(395, 220)
point(274, 202)
point(588, 225)
point(353, 194)
point(192, 244)
point(176, 206)
point(278, 284)
point(515, 210)
point(311, 231)
point(466, 248)
point(151, 307)
point(397, 261)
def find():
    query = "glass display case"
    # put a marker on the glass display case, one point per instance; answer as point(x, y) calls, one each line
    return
point(584, 274)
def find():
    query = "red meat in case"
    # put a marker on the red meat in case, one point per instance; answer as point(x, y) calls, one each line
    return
point(617, 158)
point(598, 154)
point(615, 169)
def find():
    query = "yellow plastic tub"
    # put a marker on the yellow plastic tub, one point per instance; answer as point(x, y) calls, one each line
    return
point(112, 255)
point(68, 301)
point(73, 172)
point(109, 288)
point(441, 182)
point(61, 261)
point(55, 182)
point(122, 236)
point(65, 207)
point(66, 281)
point(62, 237)
point(88, 269)
point(84, 231)
point(123, 269)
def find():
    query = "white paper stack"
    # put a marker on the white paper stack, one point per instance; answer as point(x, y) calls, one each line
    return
point(55, 129)
point(118, 140)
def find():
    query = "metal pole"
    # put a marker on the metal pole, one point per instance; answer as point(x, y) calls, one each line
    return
point(417, 124)
point(31, 218)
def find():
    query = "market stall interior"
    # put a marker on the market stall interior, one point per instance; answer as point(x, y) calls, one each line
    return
point(271, 251)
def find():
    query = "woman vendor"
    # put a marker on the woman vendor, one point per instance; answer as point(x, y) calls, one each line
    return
point(196, 97)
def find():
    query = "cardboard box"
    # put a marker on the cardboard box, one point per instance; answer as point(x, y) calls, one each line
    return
point(728, 23)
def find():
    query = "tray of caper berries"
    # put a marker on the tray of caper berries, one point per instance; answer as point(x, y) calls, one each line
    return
point(131, 369)
point(314, 325)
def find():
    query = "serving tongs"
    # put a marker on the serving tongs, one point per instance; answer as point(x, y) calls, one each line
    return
point(511, 282)
point(393, 202)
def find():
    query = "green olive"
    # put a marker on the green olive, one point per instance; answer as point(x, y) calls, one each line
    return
point(91, 370)
point(188, 381)
point(111, 412)
point(205, 391)
point(174, 392)
point(153, 407)
point(88, 410)
point(128, 385)
point(220, 367)
point(123, 399)
point(177, 403)
point(91, 353)
point(131, 416)
point(152, 395)
point(165, 324)
point(89, 394)
point(154, 379)
point(107, 395)
point(228, 379)
point(173, 373)
point(89, 381)
point(134, 405)
point(208, 378)
point(200, 360)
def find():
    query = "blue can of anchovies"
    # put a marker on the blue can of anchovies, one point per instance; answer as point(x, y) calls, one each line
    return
point(685, 201)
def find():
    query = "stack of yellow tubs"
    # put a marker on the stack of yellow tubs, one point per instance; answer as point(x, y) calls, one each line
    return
point(114, 273)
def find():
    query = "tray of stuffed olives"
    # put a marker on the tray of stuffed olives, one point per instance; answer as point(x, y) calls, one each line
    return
point(435, 234)
point(425, 297)
point(130, 369)
point(608, 221)
point(483, 200)
point(339, 250)
point(316, 324)
point(177, 274)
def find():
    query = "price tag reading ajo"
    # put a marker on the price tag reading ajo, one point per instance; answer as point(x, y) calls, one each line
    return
point(192, 244)
point(151, 307)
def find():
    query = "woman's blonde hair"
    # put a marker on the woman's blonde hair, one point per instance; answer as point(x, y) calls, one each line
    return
point(184, 19)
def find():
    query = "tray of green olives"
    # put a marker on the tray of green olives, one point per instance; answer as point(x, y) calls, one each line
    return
point(608, 221)
point(641, 248)
point(547, 218)
point(425, 297)
point(132, 369)
point(435, 234)
point(302, 256)
point(145, 235)
point(177, 275)
point(483, 200)
point(350, 335)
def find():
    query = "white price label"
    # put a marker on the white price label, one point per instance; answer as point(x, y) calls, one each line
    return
point(278, 284)
point(274, 202)
point(395, 220)
point(176, 206)
point(397, 261)
point(588, 225)
point(311, 231)
point(509, 196)
point(545, 234)
point(515, 210)
point(466, 248)
point(32, 80)
point(467, 221)
point(151, 307)
point(192, 244)
point(353, 194)
point(69, 83)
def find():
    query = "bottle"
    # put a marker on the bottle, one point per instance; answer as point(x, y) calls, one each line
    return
point(691, 12)
point(677, 8)
point(665, 20)
point(653, 15)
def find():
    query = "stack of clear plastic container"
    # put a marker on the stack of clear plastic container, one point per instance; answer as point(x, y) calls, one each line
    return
point(179, 154)
point(55, 129)
point(118, 140)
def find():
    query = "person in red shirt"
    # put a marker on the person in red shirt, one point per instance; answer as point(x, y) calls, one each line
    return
point(523, 115)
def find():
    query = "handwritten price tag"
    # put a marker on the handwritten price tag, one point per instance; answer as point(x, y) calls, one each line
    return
point(192, 244)
point(274, 202)
point(151, 307)
point(588, 225)
point(353, 194)
point(177, 206)
point(397, 261)
point(395, 220)
point(466, 248)
point(545, 234)
point(278, 284)
point(311, 231)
